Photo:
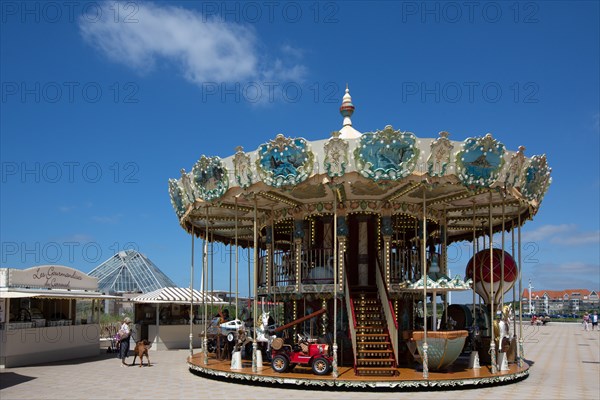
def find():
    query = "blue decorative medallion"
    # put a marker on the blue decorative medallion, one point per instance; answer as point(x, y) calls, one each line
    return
point(480, 161)
point(537, 178)
point(210, 177)
point(176, 195)
point(386, 155)
point(284, 161)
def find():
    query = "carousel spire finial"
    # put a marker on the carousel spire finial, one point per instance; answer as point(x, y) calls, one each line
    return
point(347, 108)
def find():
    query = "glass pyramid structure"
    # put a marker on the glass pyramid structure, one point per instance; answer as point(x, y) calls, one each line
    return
point(129, 272)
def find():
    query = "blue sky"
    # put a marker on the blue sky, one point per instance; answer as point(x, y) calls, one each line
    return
point(103, 102)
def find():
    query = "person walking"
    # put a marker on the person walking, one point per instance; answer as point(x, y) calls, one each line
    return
point(124, 335)
point(586, 321)
point(594, 320)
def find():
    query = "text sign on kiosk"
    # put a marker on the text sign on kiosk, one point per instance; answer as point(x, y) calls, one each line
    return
point(52, 277)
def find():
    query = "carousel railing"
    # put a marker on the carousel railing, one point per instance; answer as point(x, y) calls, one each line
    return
point(317, 266)
point(388, 309)
point(405, 264)
point(284, 271)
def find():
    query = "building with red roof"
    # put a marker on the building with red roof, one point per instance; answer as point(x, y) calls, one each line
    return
point(567, 301)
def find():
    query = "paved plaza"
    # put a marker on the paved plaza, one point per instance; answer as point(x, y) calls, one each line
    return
point(566, 365)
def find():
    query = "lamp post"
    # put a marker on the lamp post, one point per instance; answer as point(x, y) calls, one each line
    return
point(530, 305)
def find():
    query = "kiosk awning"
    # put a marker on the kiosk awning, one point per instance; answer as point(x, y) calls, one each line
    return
point(177, 295)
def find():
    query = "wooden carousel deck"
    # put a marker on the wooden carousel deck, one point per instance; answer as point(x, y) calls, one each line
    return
point(457, 376)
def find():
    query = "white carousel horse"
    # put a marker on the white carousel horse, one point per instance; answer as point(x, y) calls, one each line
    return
point(262, 330)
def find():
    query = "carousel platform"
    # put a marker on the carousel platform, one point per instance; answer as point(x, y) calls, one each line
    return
point(457, 376)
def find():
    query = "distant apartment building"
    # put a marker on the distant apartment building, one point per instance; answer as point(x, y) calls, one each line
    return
point(569, 301)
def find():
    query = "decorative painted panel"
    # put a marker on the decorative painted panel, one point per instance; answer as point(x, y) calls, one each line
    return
point(210, 177)
point(188, 191)
point(243, 168)
point(537, 178)
point(441, 151)
point(176, 197)
point(386, 155)
point(480, 161)
point(515, 169)
point(284, 161)
point(336, 155)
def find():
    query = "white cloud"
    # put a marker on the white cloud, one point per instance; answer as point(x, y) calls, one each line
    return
point(564, 234)
point(79, 238)
point(570, 275)
point(203, 49)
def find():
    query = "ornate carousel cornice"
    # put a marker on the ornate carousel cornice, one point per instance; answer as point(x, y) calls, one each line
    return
point(384, 171)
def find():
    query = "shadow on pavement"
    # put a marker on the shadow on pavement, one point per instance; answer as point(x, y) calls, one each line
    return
point(8, 379)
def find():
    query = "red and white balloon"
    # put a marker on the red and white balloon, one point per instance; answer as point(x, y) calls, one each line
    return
point(503, 280)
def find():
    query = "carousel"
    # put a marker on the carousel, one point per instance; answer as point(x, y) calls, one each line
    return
point(349, 237)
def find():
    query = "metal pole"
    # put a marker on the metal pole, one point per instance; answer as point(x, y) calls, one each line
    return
point(474, 262)
point(521, 353)
point(424, 275)
point(512, 252)
point(205, 273)
point(502, 258)
point(192, 299)
point(237, 252)
point(230, 270)
point(335, 277)
point(492, 343)
point(255, 233)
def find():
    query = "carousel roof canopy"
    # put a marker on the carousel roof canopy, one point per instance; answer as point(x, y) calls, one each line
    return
point(128, 272)
point(387, 172)
point(177, 295)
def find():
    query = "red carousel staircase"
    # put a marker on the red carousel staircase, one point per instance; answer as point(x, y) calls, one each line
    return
point(374, 354)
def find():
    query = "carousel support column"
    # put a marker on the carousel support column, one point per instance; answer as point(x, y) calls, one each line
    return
point(363, 252)
point(342, 238)
point(255, 238)
point(237, 262)
point(502, 355)
point(205, 279)
point(502, 258)
point(230, 271)
point(387, 231)
point(387, 240)
point(521, 350)
point(444, 263)
point(474, 358)
point(492, 342)
point(514, 297)
point(192, 298)
point(268, 266)
point(298, 239)
point(424, 275)
point(335, 288)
